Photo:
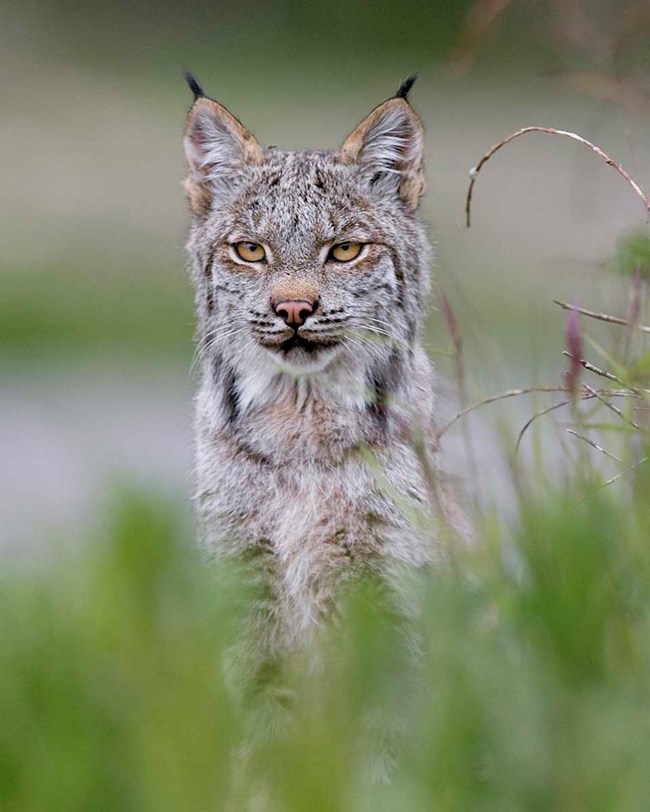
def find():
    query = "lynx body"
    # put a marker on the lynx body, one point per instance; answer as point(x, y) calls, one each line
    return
point(314, 417)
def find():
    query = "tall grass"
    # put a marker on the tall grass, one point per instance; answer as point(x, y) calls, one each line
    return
point(522, 682)
point(516, 677)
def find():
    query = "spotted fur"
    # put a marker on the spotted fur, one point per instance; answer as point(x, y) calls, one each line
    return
point(314, 455)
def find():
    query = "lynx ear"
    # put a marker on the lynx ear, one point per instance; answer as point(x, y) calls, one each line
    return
point(389, 144)
point(217, 146)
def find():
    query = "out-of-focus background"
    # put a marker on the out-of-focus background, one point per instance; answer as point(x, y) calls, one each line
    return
point(95, 307)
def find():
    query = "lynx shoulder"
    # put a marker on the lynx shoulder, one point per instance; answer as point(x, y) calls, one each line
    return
point(315, 445)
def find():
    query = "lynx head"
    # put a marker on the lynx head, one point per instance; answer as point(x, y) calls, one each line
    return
point(306, 257)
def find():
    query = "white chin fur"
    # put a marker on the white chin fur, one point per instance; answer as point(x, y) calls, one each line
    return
point(299, 362)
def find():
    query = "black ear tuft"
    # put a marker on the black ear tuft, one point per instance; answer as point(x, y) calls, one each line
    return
point(405, 87)
point(195, 87)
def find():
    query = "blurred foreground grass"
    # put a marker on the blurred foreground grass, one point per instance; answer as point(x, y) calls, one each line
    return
point(120, 686)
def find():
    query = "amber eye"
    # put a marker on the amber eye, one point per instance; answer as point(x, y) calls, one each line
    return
point(250, 251)
point(345, 251)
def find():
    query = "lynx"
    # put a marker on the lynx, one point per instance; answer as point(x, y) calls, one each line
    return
point(315, 441)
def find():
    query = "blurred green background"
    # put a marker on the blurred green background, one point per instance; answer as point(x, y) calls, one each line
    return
point(520, 677)
point(95, 308)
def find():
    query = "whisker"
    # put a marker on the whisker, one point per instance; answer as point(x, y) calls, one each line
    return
point(361, 345)
point(380, 322)
point(391, 338)
point(208, 340)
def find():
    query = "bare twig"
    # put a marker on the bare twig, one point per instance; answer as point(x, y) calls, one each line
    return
point(599, 316)
point(473, 174)
point(593, 445)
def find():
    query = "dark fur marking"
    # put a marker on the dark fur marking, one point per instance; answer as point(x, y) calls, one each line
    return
point(246, 451)
point(224, 379)
point(332, 320)
point(404, 89)
point(397, 265)
point(217, 363)
point(195, 87)
point(360, 292)
point(226, 288)
point(399, 275)
point(210, 299)
point(383, 380)
point(207, 275)
point(230, 395)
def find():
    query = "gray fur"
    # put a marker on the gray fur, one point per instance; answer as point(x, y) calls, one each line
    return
point(316, 464)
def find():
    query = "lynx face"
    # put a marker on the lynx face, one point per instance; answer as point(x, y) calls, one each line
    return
point(304, 257)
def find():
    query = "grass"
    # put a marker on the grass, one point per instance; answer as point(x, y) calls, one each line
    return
point(120, 686)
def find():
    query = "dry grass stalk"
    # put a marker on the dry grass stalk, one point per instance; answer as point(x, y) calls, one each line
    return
point(584, 396)
point(611, 406)
point(593, 445)
point(593, 368)
point(600, 316)
point(510, 393)
point(624, 471)
point(603, 373)
point(457, 342)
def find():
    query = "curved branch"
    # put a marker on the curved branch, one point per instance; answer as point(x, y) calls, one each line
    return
point(473, 173)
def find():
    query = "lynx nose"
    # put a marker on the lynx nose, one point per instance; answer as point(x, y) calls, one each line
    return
point(295, 311)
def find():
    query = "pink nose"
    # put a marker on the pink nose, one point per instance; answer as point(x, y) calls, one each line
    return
point(295, 311)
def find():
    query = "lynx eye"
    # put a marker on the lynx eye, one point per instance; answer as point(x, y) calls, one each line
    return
point(345, 251)
point(250, 251)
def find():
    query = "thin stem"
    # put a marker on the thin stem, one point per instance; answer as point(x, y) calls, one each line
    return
point(593, 445)
point(555, 406)
point(596, 370)
point(623, 472)
point(611, 406)
point(600, 316)
point(510, 393)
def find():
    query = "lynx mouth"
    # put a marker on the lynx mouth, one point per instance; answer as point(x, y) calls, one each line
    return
point(307, 345)
point(298, 342)
point(300, 353)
